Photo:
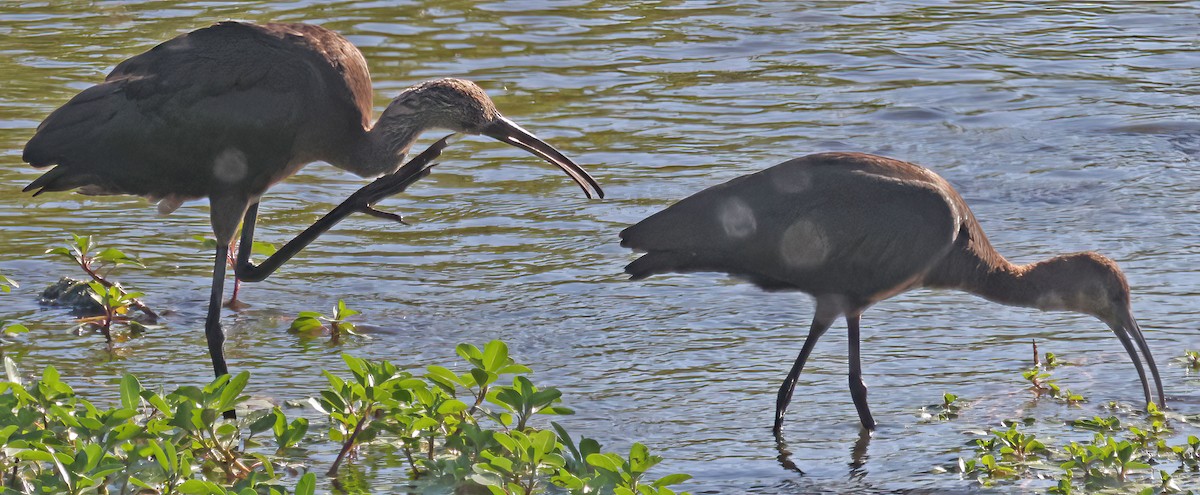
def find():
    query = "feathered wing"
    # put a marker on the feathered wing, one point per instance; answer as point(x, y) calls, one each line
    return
point(216, 104)
point(806, 224)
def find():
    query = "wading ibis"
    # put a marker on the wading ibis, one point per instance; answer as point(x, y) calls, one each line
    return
point(853, 229)
point(227, 111)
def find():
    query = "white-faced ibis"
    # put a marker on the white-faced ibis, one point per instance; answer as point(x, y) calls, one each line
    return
point(853, 229)
point(227, 111)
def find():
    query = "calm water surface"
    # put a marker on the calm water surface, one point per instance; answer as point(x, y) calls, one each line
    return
point(1066, 126)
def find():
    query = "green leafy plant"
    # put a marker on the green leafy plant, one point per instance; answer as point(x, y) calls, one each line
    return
point(1104, 455)
point(352, 406)
point(1191, 359)
point(946, 411)
point(115, 304)
point(608, 471)
point(1096, 423)
point(1041, 381)
point(53, 441)
point(310, 322)
point(100, 264)
point(487, 439)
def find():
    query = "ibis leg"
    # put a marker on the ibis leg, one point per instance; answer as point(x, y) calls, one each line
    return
point(361, 201)
point(212, 324)
point(858, 389)
point(818, 328)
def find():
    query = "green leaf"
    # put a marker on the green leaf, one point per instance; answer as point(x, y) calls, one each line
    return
point(62, 251)
point(10, 371)
point(305, 324)
point(543, 442)
point(343, 312)
point(261, 248)
point(640, 459)
point(229, 396)
point(307, 484)
point(266, 421)
point(7, 284)
point(206, 242)
point(452, 406)
point(35, 455)
point(115, 256)
point(198, 487)
point(610, 462)
point(495, 355)
point(15, 328)
point(483, 377)
point(130, 392)
point(468, 352)
point(677, 478)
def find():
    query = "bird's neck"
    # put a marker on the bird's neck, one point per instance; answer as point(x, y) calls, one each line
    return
point(1032, 286)
point(381, 149)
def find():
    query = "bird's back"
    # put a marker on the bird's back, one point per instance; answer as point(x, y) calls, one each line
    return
point(833, 223)
point(232, 103)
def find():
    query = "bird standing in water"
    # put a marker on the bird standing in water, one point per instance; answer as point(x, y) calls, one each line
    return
point(227, 111)
point(853, 229)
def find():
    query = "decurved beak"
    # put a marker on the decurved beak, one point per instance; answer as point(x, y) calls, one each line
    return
point(507, 131)
point(1129, 332)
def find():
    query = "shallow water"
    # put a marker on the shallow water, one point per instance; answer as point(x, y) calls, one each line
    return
point(1066, 126)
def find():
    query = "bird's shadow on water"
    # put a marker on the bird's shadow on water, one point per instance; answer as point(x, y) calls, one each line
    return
point(858, 455)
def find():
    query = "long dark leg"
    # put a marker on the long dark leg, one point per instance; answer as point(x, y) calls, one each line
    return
point(246, 243)
point(858, 389)
point(361, 201)
point(818, 328)
point(212, 324)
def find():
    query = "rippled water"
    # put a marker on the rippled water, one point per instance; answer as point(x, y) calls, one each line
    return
point(1066, 126)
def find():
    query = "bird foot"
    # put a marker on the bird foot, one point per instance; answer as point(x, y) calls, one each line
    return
point(382, 214)
point(364, 199)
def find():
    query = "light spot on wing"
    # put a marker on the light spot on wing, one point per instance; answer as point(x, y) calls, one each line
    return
point(804, 244)
point(736, 218)
point(230, 166)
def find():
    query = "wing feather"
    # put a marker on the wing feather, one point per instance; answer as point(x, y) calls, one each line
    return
point(159, 120)
point(818, 226)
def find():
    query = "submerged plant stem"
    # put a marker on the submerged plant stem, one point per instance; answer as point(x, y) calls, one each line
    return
point(349, 444)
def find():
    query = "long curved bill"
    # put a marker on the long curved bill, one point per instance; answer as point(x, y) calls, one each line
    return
point(507, 131)
point(1129, 332)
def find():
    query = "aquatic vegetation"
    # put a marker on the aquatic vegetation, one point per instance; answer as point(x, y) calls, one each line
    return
point(485, 438)
point(150, 442)
point(1129, 451)
point(114, 303)
point(1041, 381)
point(312, 322)
point(1191, 359)
point(13, 328)
point(7, 284)
point(98, 266)
point(945, 411)
point(55, 441)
